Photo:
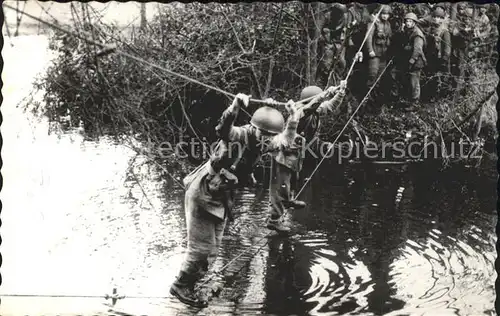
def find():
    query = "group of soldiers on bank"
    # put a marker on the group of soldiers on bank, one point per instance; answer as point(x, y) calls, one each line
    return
point(437, 40)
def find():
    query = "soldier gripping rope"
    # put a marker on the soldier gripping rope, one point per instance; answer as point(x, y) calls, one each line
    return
point(288, 161)
point(210, 188)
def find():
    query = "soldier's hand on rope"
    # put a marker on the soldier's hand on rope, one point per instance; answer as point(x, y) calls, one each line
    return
point(271, 101)
point(343, 84)
point(359, 57)
point(331, 91)
point(242, 99)
point(295, 112)
point(290, 107)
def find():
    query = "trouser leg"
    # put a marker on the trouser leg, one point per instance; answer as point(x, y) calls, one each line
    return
point(204, 232)
point(279, 189)
point(373, 69)
point(415, 85)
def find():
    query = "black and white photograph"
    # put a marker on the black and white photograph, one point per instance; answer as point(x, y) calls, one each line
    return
point(249, 158)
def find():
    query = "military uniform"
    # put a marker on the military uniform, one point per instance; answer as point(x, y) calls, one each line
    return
point(462, 35)
point(412, 60)
point(482, 31)
point(288, 162)
point(416, 60)
point(331, 48)
point(378, 42)
point(438, 52)
point(210, 194)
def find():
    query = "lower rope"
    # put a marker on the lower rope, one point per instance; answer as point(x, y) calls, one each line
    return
point(345, 126)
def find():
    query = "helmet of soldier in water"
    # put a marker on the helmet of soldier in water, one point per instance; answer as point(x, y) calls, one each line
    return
point(268, 119)
point(310, 91)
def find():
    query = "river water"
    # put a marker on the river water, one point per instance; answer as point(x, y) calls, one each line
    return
point(77, 222)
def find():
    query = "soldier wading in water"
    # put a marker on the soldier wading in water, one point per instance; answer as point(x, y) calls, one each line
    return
point(210, 188)
point(288, 161)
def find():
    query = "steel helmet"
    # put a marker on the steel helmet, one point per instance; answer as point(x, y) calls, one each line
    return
point(386, 9)
point(439, 12)
point(268, 119)
point(411, 16)
point(310, 91)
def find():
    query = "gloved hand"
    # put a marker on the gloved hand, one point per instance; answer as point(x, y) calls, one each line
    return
point(295, 112)
point(242, 99)
point(343, 84)
point(221, 181)
point(359, 57)
point(271, 101)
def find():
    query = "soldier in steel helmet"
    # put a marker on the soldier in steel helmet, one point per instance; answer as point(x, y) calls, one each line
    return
point(210, 188)
point(412, 59)
point(438, 50)
point(462, 37)
point(482, 31)
point(289, 160)
point(331, 50)
point(378, 42)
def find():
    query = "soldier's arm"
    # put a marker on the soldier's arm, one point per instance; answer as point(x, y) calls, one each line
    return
point(287, 137)
point(333, 104)
point(225, 129)
point(313, 105)
point(418, 45)
point(369, 39)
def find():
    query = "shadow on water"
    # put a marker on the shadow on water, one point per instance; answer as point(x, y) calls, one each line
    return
point(373, 240)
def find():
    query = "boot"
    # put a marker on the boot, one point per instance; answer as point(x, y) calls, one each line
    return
point(183, 289)
point(296, 204)
point(277, 225)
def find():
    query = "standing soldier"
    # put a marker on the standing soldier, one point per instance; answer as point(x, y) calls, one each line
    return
point(413, 58)
point(377, 43)
point(210, 188)
point(357, 18)
point(331, 48)
point(462, 35)
point(482, 29)
point(438, 51)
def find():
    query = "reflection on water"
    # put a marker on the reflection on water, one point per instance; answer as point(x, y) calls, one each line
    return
point(75, 222)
